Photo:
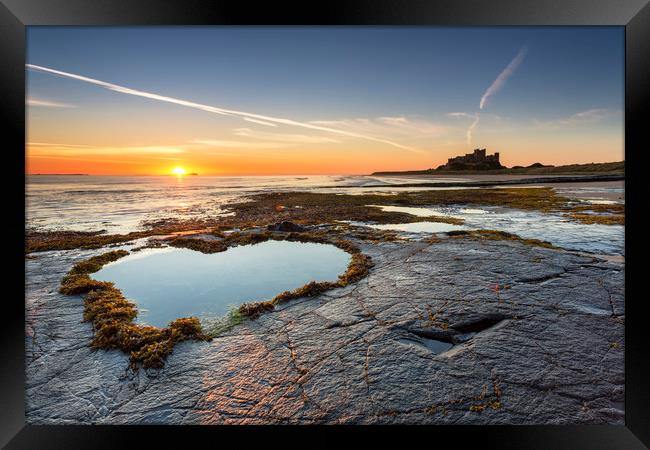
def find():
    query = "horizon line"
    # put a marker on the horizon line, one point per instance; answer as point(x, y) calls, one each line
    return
point(278, 174)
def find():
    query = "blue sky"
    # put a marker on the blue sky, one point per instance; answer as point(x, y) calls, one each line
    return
point(566, 93)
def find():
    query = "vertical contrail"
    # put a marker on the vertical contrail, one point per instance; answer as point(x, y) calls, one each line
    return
point(503, 76)
point(496, 85)
point(470, 130)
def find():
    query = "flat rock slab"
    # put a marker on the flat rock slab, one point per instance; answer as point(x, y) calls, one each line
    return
point(456, 332)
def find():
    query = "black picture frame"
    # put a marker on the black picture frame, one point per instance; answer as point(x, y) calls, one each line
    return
point(15, 15)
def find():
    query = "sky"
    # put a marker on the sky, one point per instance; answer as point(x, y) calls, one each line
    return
point(319, 100)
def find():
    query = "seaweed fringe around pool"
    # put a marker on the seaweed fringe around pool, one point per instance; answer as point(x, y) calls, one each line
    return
point(112, 314)
point(358, 267)
point(112, 317)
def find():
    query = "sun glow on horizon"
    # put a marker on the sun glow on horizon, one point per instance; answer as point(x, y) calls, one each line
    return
point(179, 171)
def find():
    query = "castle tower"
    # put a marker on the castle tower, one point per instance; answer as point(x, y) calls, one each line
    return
point(478, 159)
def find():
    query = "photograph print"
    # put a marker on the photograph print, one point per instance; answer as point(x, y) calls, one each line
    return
point(325, 225)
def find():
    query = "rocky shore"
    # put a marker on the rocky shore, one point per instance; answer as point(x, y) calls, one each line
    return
point(452, 331)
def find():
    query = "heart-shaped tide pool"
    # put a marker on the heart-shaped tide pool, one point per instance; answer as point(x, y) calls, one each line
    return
point(169, 283)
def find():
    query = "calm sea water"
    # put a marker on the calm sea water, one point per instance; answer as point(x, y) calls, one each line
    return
point(121, 204)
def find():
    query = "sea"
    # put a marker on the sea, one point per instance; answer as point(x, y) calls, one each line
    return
point(121, 204)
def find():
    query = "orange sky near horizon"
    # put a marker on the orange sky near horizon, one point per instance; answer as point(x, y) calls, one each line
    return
point(365, 159)
point(151, 138)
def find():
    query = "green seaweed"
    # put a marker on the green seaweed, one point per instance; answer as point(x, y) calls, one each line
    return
point(494, 235)
point(112, 317)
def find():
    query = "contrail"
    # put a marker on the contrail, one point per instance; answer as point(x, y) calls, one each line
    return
point(475, 119)
point(36, 102)
point(260, 122)
point(226, 112)
point(470, 130)
point(503, 76)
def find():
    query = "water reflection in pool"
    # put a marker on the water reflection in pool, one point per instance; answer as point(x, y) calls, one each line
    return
point(419, 227)
point(425, 212)
point(170, 283)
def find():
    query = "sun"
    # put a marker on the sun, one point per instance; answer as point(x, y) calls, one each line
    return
point(179, 171)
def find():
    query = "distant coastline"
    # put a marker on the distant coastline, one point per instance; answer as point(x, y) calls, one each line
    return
point(610, 168)
point(58, 174)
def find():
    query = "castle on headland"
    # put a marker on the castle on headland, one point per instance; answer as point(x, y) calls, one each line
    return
point(473, 161)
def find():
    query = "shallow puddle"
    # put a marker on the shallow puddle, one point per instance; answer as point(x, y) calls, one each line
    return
point(170, 283)
point(434, 346)
point(425, 212)
point(597, 201)
point(551, 227)
point(415, 211)
point(437, 346)
point(419, 227)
